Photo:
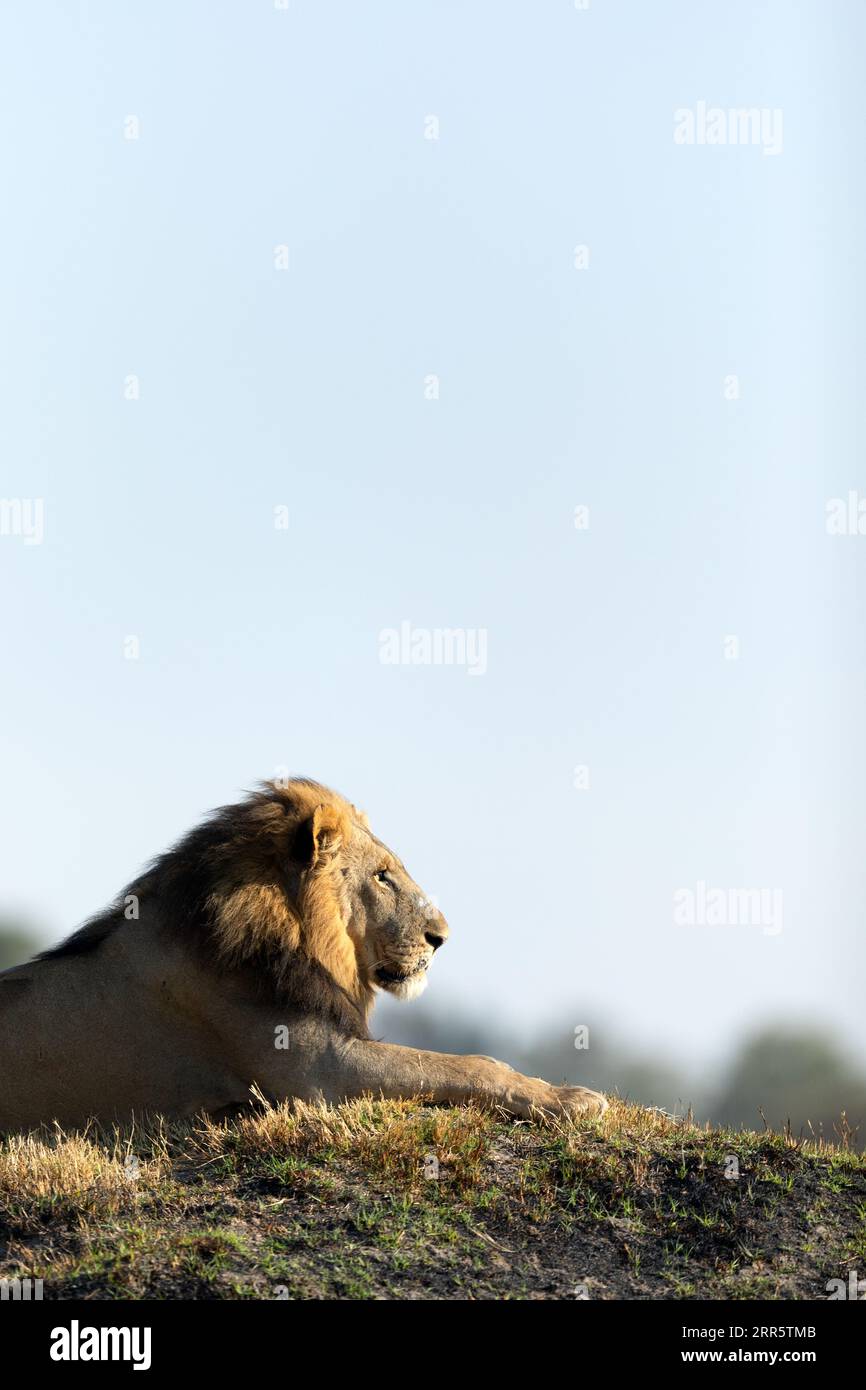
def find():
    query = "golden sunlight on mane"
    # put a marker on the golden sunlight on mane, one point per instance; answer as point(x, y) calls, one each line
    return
point(257, 915)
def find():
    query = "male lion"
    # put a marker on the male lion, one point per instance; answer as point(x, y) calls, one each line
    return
point(246, 956)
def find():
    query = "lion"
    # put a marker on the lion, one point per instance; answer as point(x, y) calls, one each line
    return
point(244, 962)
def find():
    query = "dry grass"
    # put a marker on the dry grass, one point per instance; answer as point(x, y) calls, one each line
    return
point(393, 1140)
point(52, 1173)
point(45, 1174)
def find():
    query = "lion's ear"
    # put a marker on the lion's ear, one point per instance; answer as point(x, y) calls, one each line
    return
point(318, 840)
point(328, 833)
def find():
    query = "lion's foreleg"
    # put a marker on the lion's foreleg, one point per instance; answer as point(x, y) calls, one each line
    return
point(356, 1068)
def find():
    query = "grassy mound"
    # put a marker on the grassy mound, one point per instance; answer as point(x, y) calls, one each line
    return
point(395, 1199)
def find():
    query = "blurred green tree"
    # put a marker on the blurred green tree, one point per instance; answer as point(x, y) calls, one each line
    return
point(796, 1075)
point(18, 942)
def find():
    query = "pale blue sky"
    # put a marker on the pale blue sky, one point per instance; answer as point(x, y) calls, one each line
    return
point(259, 648)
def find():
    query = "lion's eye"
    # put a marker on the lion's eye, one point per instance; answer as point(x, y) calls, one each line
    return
point(381, 876)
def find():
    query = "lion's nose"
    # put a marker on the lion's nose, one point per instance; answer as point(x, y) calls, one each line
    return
point(433, 940)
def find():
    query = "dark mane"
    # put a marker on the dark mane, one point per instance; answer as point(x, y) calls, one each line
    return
point(178, 875)
point(183, 880)
point(87, 938)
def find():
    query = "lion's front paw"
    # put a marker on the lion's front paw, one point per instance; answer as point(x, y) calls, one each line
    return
point(578, 1101)
point(535, 1098)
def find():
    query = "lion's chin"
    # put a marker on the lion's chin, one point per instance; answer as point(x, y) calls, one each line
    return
point(409, 988)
